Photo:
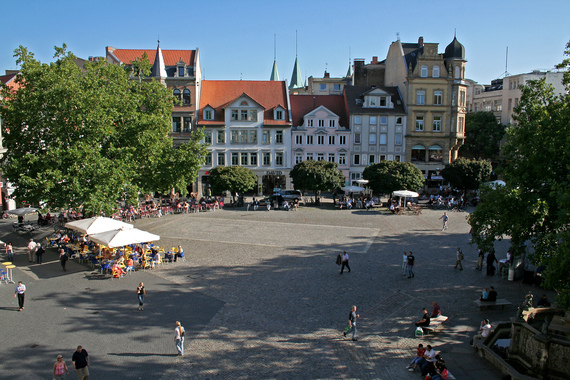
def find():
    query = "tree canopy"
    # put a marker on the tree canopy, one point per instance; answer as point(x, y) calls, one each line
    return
point(388, 176)
point(236, 179)
point(483, 135)
point(317, 176)
point(89, 137)
point(535, 203)
point(467, 174)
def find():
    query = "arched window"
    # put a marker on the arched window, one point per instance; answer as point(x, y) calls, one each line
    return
point(176, 94)
point(424, 71)
point(435, 153)
point(435, 72)
point(418, 153)
point(457, 72)
point(186, 97)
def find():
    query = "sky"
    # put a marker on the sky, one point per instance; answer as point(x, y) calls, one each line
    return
point(236, 38)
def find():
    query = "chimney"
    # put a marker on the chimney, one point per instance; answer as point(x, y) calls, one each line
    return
point(421, 41)
point(374, 60)
point(327, 75)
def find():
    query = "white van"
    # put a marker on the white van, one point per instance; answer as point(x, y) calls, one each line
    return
point(291, 195)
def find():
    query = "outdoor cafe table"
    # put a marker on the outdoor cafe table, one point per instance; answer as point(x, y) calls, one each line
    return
point(9, 266)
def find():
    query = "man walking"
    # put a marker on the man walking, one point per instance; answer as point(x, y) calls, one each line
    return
point(459, 258)
point(352, 316)
point(491, 259)
point(20, 292)
point(39, 253)
point(445, 219)
point(480, 257)
point(344, 262)
point(31, 250)
point(80, 362)
point(411, 260)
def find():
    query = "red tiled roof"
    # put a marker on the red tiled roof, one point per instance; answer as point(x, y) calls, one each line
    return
point(303, 104)
point(171, 57)
point(269, 94)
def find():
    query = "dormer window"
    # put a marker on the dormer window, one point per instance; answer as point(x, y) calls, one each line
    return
point(383, 101)
point(208, 114)
point(180, 71)
point(279, 114)
point(424, 71)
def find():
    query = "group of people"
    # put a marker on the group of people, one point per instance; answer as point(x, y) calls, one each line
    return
point(80, 363)
point(426, 317)
point(488, 295)
point(429, 363)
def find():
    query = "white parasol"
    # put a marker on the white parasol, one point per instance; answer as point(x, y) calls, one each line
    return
point(120, 238)
point(405, 194)
point(353, 189)
point(97, 225)
point(22, 211)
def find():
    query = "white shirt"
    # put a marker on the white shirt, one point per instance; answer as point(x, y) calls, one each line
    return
point(345, 257)
point(32, 246)
point(486, 330)
point(20, 289)
point(430, 355)
point(405, 258)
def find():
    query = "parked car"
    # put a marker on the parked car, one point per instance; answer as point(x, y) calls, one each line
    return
point(291, 195)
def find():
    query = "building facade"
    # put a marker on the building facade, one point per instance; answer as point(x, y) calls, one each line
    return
point(180, 71)
point(435, 92)
point(247, 123)
point(503, 95)
point(377, 121)
point(320, 130)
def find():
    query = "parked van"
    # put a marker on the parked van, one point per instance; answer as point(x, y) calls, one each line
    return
point(291, 195)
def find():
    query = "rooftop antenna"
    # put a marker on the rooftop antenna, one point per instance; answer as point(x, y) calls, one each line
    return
point(326, 66)
point(506, 73)
point(398, 36)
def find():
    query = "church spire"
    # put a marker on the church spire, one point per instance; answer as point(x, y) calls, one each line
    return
point(296, 78)
point(158, 67)
point(274, 71)
point(349, 73)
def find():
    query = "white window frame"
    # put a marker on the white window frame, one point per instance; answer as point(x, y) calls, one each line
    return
point(424, 71)
point(420, 123)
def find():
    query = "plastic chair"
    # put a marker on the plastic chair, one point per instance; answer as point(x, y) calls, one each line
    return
point(130, 269)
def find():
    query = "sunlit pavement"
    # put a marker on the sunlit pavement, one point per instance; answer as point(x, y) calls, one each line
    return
point(260, 296)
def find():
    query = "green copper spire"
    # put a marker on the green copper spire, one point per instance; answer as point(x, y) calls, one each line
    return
point(296, 78)
point(274, 72)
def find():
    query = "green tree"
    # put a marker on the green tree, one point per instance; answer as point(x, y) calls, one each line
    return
point(535, 203)
point(467, 174)
point(483, 135)
point(317, 176)
point(236, 179)
point(87, 138)
point(388, 176)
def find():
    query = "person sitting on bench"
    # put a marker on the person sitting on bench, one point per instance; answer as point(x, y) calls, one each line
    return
point(436, 311)
point(425, 319)
point(484, 295)
point(484, 332)
point(492, 294)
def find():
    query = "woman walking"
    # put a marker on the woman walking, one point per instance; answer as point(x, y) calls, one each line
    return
point(141, 293)
point(60, 369)
point(10, 251)
point(179, 338)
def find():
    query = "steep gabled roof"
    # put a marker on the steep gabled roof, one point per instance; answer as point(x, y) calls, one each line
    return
point(9, 81)
point(171, 57)
point(268, 94)
point(301, 105)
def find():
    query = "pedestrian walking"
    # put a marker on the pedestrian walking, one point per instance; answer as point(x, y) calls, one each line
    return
point(39, 253)
point(20, 293)
point(10, 252)
point(352, 316)
point(141, 293)
point(59, 369)
point(491, 259)
point(80, 360)
point(445, 218)
point(344, 262)
point(459, 258)
point(480, 257)
point(410, 266)
point(31, 250)
point(179, 338)
point(63, 259)
point(404, 263)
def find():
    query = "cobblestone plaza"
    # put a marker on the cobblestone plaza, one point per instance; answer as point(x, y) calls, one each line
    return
point(260, 297)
